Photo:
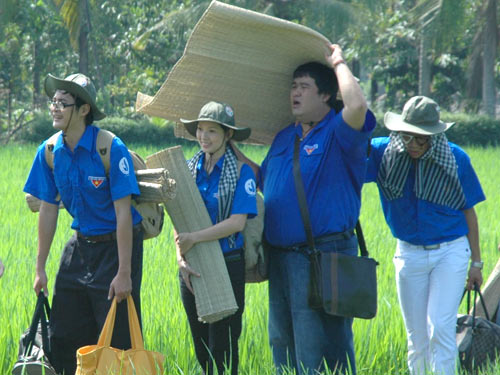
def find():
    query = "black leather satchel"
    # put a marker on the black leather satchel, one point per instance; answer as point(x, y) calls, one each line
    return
point(341, 285)
point(34, 346)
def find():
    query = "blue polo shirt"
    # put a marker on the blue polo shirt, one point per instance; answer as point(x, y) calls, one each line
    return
point(244, 201)
point(333, 162)
point(80, 180)
point(418, 221)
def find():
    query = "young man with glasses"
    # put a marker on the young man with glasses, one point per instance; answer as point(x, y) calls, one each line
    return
point(428, 190)
point(103, 258)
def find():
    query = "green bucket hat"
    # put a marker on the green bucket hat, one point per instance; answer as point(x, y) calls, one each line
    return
point(420, 116)
point(77, 84)
point(221, 114)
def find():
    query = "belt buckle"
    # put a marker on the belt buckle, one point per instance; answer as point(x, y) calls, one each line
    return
point(431, 247)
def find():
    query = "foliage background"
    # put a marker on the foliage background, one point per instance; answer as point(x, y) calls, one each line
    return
point(130, 45)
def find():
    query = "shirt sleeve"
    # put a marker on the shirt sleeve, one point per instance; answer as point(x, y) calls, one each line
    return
point(351, 140)
point(374, 159)
point(121, 171)
point(470, 183)
point(244, 201)
point(41, 183)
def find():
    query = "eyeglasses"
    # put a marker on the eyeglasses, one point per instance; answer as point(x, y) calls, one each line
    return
point(421, 140)
point(58, 105)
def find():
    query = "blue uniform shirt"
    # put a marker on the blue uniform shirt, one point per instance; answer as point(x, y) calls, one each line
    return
point(333, 163)
point(80, 180)
point(422, 222)
point(244, 201)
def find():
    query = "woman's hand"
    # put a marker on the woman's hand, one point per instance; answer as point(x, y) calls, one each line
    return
point(186, 271)
point(185, 241)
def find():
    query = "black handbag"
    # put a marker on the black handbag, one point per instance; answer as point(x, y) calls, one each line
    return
point(341, 285)
point(34, 346)
point(478, 339)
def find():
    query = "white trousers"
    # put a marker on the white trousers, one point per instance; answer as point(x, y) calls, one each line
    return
point(430, 284)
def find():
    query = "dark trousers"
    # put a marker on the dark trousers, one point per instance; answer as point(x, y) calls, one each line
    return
point(218, 342)
point(80, 303)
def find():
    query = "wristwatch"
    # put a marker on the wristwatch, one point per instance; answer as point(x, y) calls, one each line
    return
point(477, 264)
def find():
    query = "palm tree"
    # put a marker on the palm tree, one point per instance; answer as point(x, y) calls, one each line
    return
point(439, 22)
point(76, 18)
point(490, 42)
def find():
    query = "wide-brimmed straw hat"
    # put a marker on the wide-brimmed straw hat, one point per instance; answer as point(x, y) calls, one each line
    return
point(242, 57)
point(420, 116)
point(221, 114)
point(77, 84)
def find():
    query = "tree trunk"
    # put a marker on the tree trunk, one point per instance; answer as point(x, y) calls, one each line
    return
point(36, 74)
point(9, 104)
point(424, 66)
point(489, 54)
point(83, 41)
point(83, 49)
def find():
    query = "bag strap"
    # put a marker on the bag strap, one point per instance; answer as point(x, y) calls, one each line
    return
point(301, 195)
point(477, 291)
point(41, 315)
point(314, 287)
point(133, 322)
point(103, 147)
point(304, 209)
point(49, 147)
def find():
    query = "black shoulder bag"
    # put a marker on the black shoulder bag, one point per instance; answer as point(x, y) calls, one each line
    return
point(339, 284)
point(34, 346)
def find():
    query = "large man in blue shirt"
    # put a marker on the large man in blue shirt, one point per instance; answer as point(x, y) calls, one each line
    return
point(333, 143)
point(428, 191)
point(103, 258)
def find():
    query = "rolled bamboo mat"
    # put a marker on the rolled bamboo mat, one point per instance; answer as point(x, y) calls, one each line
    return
point(213, 292)
point(491, 294)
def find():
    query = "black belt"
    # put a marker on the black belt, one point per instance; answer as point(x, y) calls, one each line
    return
point(304, 246)
point(105, 237)
point(233, 256)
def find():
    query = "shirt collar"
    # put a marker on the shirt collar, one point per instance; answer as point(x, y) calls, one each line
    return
point(325, 120)
point(199, 166)
point(87, 139)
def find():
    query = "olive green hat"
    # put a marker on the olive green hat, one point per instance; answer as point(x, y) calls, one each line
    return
point(221, 114)
point(420, 116)
point(77, 84)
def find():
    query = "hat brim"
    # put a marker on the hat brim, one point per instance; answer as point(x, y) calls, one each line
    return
point(53, 83)
point(394, 122)
point(239, 134)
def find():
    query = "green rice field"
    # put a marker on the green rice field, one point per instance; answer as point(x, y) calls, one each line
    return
point(380, 342)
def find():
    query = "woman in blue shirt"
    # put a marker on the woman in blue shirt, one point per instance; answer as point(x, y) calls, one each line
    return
point(228, 192)
point(428, 191)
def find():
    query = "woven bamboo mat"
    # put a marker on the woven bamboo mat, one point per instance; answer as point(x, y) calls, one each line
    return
point(213, 292)
point(242, 58)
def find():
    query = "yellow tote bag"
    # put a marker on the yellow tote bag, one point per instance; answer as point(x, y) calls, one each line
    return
point(102, 359)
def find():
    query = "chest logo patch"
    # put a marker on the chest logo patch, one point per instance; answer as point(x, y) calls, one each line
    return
point(250, 187)
point(96, 181)
point(309, 149)
point(124, 166)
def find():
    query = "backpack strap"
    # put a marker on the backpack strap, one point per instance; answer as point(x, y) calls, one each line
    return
point(49, 148)
point(240, 165)
point(103, 147)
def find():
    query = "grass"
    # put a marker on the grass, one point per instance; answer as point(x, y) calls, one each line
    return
point(380, 343)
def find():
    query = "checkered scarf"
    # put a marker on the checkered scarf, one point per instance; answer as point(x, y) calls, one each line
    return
point(436, 176)
point(227, 184)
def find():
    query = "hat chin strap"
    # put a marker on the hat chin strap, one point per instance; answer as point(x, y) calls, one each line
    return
point(65, 131)
point(211, 154)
